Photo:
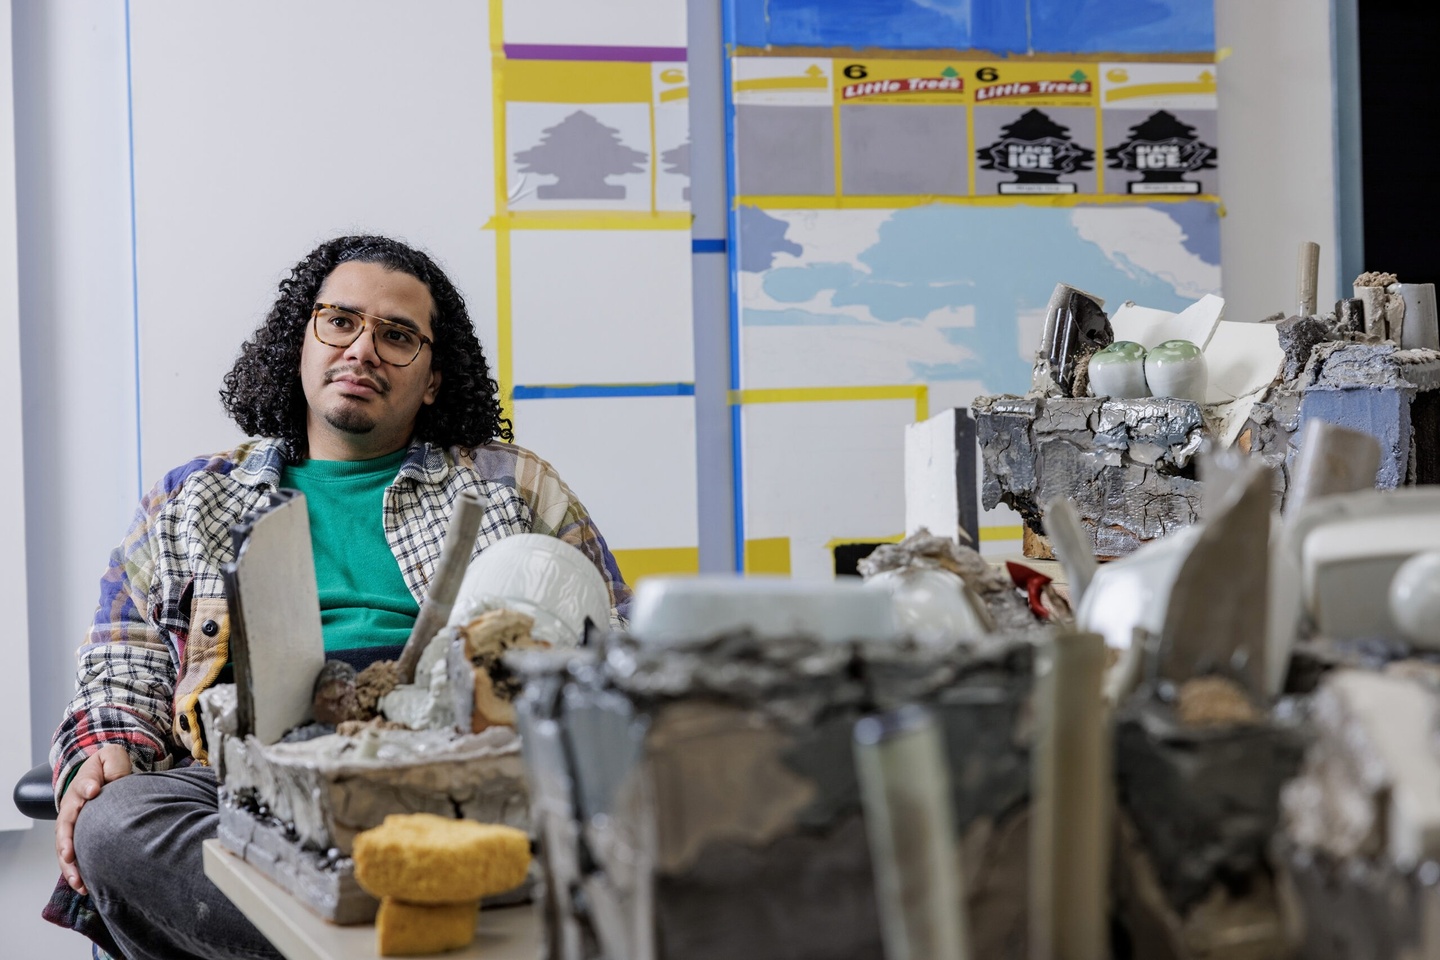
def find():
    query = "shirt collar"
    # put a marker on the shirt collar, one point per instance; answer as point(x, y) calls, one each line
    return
point(262, 464)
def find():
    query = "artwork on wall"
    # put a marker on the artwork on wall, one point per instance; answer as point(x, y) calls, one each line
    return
point(592, 228)
point(904, 201)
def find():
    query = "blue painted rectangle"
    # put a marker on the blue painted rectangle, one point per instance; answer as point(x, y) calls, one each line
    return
point(997, 25)
point(587, 390)
point(708, 245)
point(1000, 26)
point(1122, 26)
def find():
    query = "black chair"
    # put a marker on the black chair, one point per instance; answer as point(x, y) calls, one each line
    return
point(34, 796)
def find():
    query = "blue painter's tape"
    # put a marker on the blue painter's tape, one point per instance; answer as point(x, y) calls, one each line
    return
point(1125, 26)
point(708, 245)
point(584, 390)
point(998, 25)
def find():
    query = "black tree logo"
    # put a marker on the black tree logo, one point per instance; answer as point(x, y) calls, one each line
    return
point(1035, 149)
point(1162, 149)
point(582, 152)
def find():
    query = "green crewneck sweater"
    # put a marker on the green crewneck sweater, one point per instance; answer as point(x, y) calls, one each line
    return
point(366, 610)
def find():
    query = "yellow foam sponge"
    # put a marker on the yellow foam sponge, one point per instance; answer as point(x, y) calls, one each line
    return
point(424, 859)
point(404, 929)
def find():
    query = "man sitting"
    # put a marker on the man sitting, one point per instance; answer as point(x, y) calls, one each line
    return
point(374, 398)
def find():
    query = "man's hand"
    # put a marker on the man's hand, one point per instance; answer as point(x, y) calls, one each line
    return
point(110, 762)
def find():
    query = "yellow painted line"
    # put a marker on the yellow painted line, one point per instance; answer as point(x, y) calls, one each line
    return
point(1187, 88)
point(576, 81)
point(846, 541)
point(995, 534)
point(504, 341)
point(769, 555)
point(783, 83)
point(822, 202)
point(636, 565)
point(919, 392)
point(599, 220)
point(674, 93)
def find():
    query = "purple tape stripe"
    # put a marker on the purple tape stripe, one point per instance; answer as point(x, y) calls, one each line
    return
point(551, 51)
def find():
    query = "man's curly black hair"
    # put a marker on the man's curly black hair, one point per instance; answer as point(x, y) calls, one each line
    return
point(263, 393)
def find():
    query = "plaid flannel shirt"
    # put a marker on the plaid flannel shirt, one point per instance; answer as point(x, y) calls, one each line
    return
point(161, 634)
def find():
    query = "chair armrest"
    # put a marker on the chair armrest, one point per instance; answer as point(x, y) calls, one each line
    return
point(34, 796)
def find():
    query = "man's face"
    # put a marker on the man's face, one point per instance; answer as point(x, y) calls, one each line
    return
point(359, 406)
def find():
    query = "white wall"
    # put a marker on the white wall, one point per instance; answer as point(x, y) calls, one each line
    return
point(1277, 167)
point(77, 322)
point(73, 211)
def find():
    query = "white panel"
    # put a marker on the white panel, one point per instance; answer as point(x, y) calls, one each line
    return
point(15, 645)
point(263, 128)
point(602, 306)
point(1272, 202)
point(634, 23)
point(816, 472)
point(932, 498)
point(630, 460)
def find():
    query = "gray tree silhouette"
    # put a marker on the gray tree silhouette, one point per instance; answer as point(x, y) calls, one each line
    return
point(677, 160)
point(582, 152)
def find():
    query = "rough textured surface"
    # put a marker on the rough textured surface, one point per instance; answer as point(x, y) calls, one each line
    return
point(327, 789)
point(406, 929)
point(1362, 908)
point(1298, 336)
point(1235, 920)
point(1204, 802)
point(1125, 463)
point(323, 880)
point(702, 802)
point(425, 858)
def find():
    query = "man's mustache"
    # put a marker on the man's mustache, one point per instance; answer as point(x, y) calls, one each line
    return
point(377, 383)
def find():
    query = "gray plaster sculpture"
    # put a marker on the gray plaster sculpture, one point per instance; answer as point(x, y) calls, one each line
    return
point(693, 794)
point(275, 633)
point(1332, 459)
point(1231, 559)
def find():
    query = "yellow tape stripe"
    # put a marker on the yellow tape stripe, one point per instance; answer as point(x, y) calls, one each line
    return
point(576, 81)
point(783, 83)
point(1188, 88)
point(768, 555)
point(599, 220)
point(920, 393)
point(994, 534)
point(636, 565)
point(504, 360)
point(775, 202)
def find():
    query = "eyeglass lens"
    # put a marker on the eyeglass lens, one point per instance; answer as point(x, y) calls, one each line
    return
point(394, 343)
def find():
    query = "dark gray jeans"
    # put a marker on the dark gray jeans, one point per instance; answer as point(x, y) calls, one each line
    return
point(138, 848)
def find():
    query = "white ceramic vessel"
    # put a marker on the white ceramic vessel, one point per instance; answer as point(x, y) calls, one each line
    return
point(932, 605)
point(1176, 368)
point(1415, 599)
point(1119, 371)
point(676, 611)
point(540, 576)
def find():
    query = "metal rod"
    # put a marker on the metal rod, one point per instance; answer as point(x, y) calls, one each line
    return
point(445, 584)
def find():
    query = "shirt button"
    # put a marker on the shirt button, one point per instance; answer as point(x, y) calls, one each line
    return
point(209, 628)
